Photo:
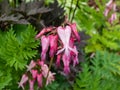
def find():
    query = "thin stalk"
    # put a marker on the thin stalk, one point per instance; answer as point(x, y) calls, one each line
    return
point(51, 61)
point(70, 8)
point(75, 10)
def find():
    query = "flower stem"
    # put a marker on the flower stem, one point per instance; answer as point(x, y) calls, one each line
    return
point(51, 61)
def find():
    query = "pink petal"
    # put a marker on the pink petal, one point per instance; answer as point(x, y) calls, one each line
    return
point(106, 12)
point(58, 60)
point(66, 70)
point(31, 65)
point(53, 44)
point(39, 80)
point(67, 34)
point(43, 31)
point(75, 56)
point(45, 45)
point(74, 29)
point(60, 51)
point(40, 63)
point(66, 62)
point(50, 78)
point(34, 73)
point(24, 79)
point(31, 84)
point(45, 70)
point(61, 33)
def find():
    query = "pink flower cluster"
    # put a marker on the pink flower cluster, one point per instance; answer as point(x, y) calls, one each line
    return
point(36, 72)
point(111, 6)
point(60, 40)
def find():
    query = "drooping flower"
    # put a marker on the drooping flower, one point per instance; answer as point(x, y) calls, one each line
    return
point(45, 45)
point(31, 84)
point(64, 35)
point(43, 31)
point(112, 18)
point(58, 60)
point(34, 73)
point(50, 78)
point(45, 70)
point(53, 45)
point(39, 79)
point(24, 79)
point(111, 7)
point(31, 65)
point(74, 30)
point(66, 62)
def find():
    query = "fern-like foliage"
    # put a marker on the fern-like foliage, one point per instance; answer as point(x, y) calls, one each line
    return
point(103, 72)
point(17, 49)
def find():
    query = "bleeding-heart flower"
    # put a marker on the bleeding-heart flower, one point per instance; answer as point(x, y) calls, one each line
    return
point(24, 79)
point(31, 65)
point(45, 45)
point(58, 60)
point(50, 78)
point(39, 79)
point(43, 31)
point(74, 30)
point(31, 84)
point(34, 73)
point(53, 44)
point(64, 34)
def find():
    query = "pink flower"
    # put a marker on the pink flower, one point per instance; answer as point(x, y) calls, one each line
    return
point(66, 62)
point(53, 44)
point(34, 73)
point(31, 65)
point(75, 56)
point(31, 84)
point(58, 60)
point(74, 30)
point(40, 63)
point(112, 18)
point(50, 78)
point(43, 31)
point(45, 45)
point(39, 79)
point(45, 70)
point(64, 34)
point(24, 79)
point(110, 6)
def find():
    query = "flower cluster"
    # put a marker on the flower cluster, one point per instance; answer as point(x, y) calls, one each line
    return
point(36, 72)
point(60, 40)
point(111, 6)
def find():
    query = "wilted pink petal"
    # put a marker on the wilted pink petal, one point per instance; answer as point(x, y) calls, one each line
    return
point(45, 45)
point(50, 78)
point(39, 79)
point(74, 29)
point(45, 70)
point(53, 44)
point(24, 79)
point(58, 60)
point(31, 65)
point(31, 84)
point(43, 31)
point(34, 73)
